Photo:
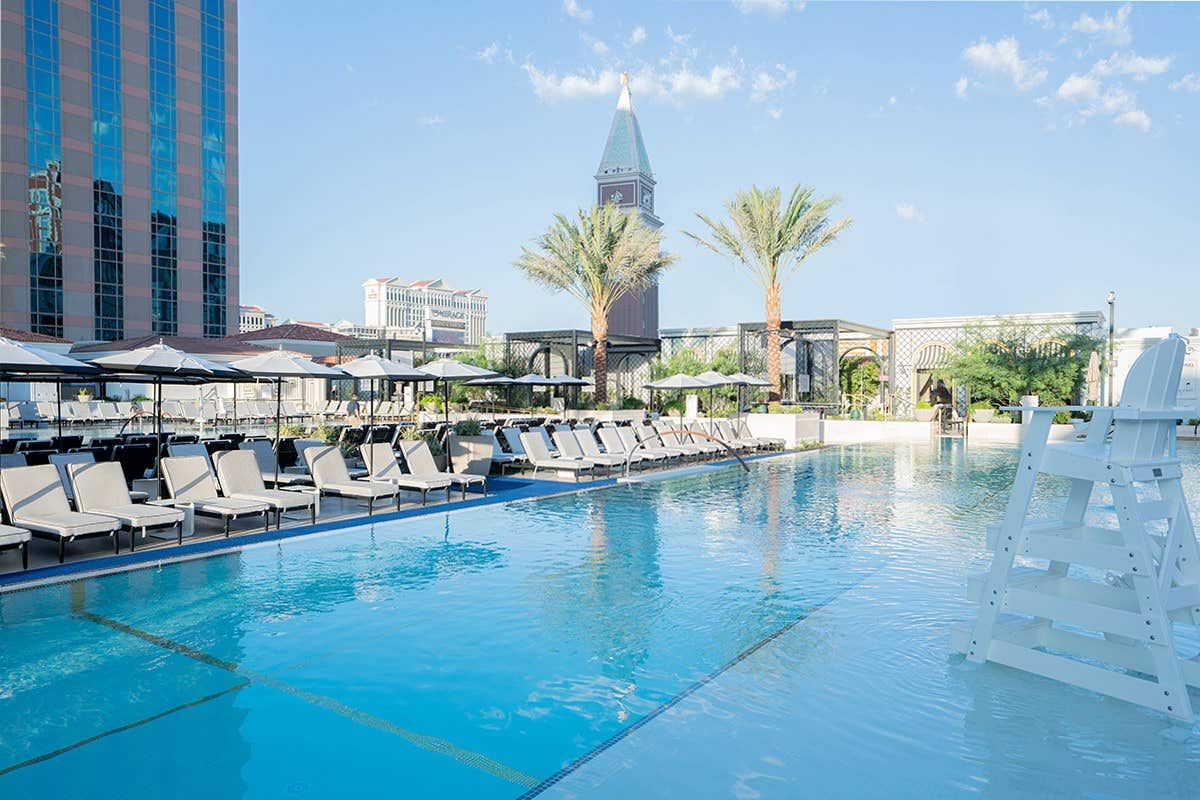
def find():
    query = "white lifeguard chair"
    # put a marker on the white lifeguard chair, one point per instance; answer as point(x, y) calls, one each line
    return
point(1098, 605)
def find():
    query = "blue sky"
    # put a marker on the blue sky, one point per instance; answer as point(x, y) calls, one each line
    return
point(995, 158)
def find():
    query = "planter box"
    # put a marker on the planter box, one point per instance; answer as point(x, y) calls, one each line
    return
point(923, 414)
point(983, 415)
point(791, 428)
point(470, 455)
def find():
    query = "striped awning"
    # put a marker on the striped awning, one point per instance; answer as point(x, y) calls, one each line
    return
point(931, 357)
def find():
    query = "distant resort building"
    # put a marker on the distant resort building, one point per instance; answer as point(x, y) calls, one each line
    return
point(254, 318)
point(438, 312)
point(624, 177)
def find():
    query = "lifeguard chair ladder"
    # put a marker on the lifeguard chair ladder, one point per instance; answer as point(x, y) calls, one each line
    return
point(1119, 590)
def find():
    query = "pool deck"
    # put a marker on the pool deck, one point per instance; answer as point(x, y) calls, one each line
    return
point(93, 557)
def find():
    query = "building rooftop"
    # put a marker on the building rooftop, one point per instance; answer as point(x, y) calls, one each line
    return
point(196, 345)
point(625, 152)
point(295, 331)
point(29, 337)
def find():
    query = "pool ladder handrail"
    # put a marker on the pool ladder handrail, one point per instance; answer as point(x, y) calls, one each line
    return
point(659, 434)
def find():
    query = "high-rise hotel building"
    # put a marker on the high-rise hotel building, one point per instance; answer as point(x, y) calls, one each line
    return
point(118, 167)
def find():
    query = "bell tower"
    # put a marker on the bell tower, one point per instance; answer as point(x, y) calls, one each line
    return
point(625, 178)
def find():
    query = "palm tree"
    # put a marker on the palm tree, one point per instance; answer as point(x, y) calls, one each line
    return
point(772, 243)
point(607, 253)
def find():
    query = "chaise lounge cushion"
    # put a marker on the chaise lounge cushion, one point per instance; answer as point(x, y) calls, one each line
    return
point(10, 536)
point(189, 480)
point(100, 489)
point(329, 472)
point(36, 500)
point(238, 474)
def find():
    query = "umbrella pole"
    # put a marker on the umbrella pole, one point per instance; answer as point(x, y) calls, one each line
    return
point(278, 407)
point(157, 429)
point(235, 421)
point(58, 399)
point(371, 429)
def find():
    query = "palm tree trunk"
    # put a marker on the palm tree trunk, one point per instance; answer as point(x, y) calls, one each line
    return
point(773, 321)
point(600, 357)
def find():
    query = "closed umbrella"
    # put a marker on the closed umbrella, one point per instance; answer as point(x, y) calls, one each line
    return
point(160, 361)
point(372, 367)
point(280, 364)
point(447, 370)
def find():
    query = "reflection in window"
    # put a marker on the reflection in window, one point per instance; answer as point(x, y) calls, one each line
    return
point(45, 167)
point(164, 248)
point(107, 247)
point(212, 166)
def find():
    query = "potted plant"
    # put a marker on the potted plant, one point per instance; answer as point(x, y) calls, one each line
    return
point(84, 395)
point(923, 412)
point(470, 452)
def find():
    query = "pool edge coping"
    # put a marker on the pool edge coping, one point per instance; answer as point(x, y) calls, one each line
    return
point(13, 582)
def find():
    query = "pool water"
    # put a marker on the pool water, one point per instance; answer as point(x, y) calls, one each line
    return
point(782, 632)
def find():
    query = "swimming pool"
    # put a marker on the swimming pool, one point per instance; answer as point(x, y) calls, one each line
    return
point(776, 633)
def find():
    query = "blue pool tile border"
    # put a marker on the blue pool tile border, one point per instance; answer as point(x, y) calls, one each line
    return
point(501, 489)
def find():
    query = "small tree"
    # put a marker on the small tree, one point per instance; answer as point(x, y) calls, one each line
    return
point(1000, 364)
point(859, 378)
point(598, 258)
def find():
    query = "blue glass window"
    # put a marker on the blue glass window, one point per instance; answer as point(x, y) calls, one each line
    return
point(212, 166)
point(164, 231)
point(45, 167)
point(108, 252)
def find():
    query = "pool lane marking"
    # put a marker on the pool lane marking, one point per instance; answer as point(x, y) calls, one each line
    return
point(687, 692)
point(130, 726)
point(426, 742)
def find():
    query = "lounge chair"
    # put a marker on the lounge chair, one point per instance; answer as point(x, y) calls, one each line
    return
point(100, 489)
point(587, 443)
point(647, 434)
point(540, 458)
point(420, 462)
point(633, 445)
point(36, 501)
point(189, 480)
point(569, 447)
point(329, 473)
point(264, 456)
point(305, 444)
point(382, 462)
point(240, 479)
point(16, 539)
point(740, 429)
point(666, 435)
point(725, 433)
point(501, 458)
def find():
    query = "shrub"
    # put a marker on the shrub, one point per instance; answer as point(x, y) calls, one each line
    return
point(629, 403)
point(467, 427)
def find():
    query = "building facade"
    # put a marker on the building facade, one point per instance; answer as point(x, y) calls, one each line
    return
point(625, 178)
point(444, 314)
point(118, 167)
point(255, 318)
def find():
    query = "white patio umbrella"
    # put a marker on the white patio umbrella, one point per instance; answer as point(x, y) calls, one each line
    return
point(533, 380)
point(280, 364)
point(372, 367)
point(676, 382)
point(499, 380)
point(23, 362)
point(713, 379)
point(447, 370)
point(159, 361)
point(741, 379)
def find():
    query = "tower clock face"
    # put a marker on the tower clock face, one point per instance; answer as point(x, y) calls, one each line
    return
point(623, 194)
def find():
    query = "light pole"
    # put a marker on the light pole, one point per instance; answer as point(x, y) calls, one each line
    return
point(1112, 304)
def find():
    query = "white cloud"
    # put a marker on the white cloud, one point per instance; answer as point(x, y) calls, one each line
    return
point(767, 83)
point(1111, 28)
point(892, 100)
point(430, 120)
point(909, 212)
point(1079, 88)
point(488, 54)
point(576, 11)
point(1139, 67)
point(637, 35)
point(677, 38)
point(597, 45)
point(1041, 17)
point(960, 87)
point(1134, 119)
point(772, 7)
point(1003, 57)
point(678, 86)
point(775, 113)
point(1188, 83)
